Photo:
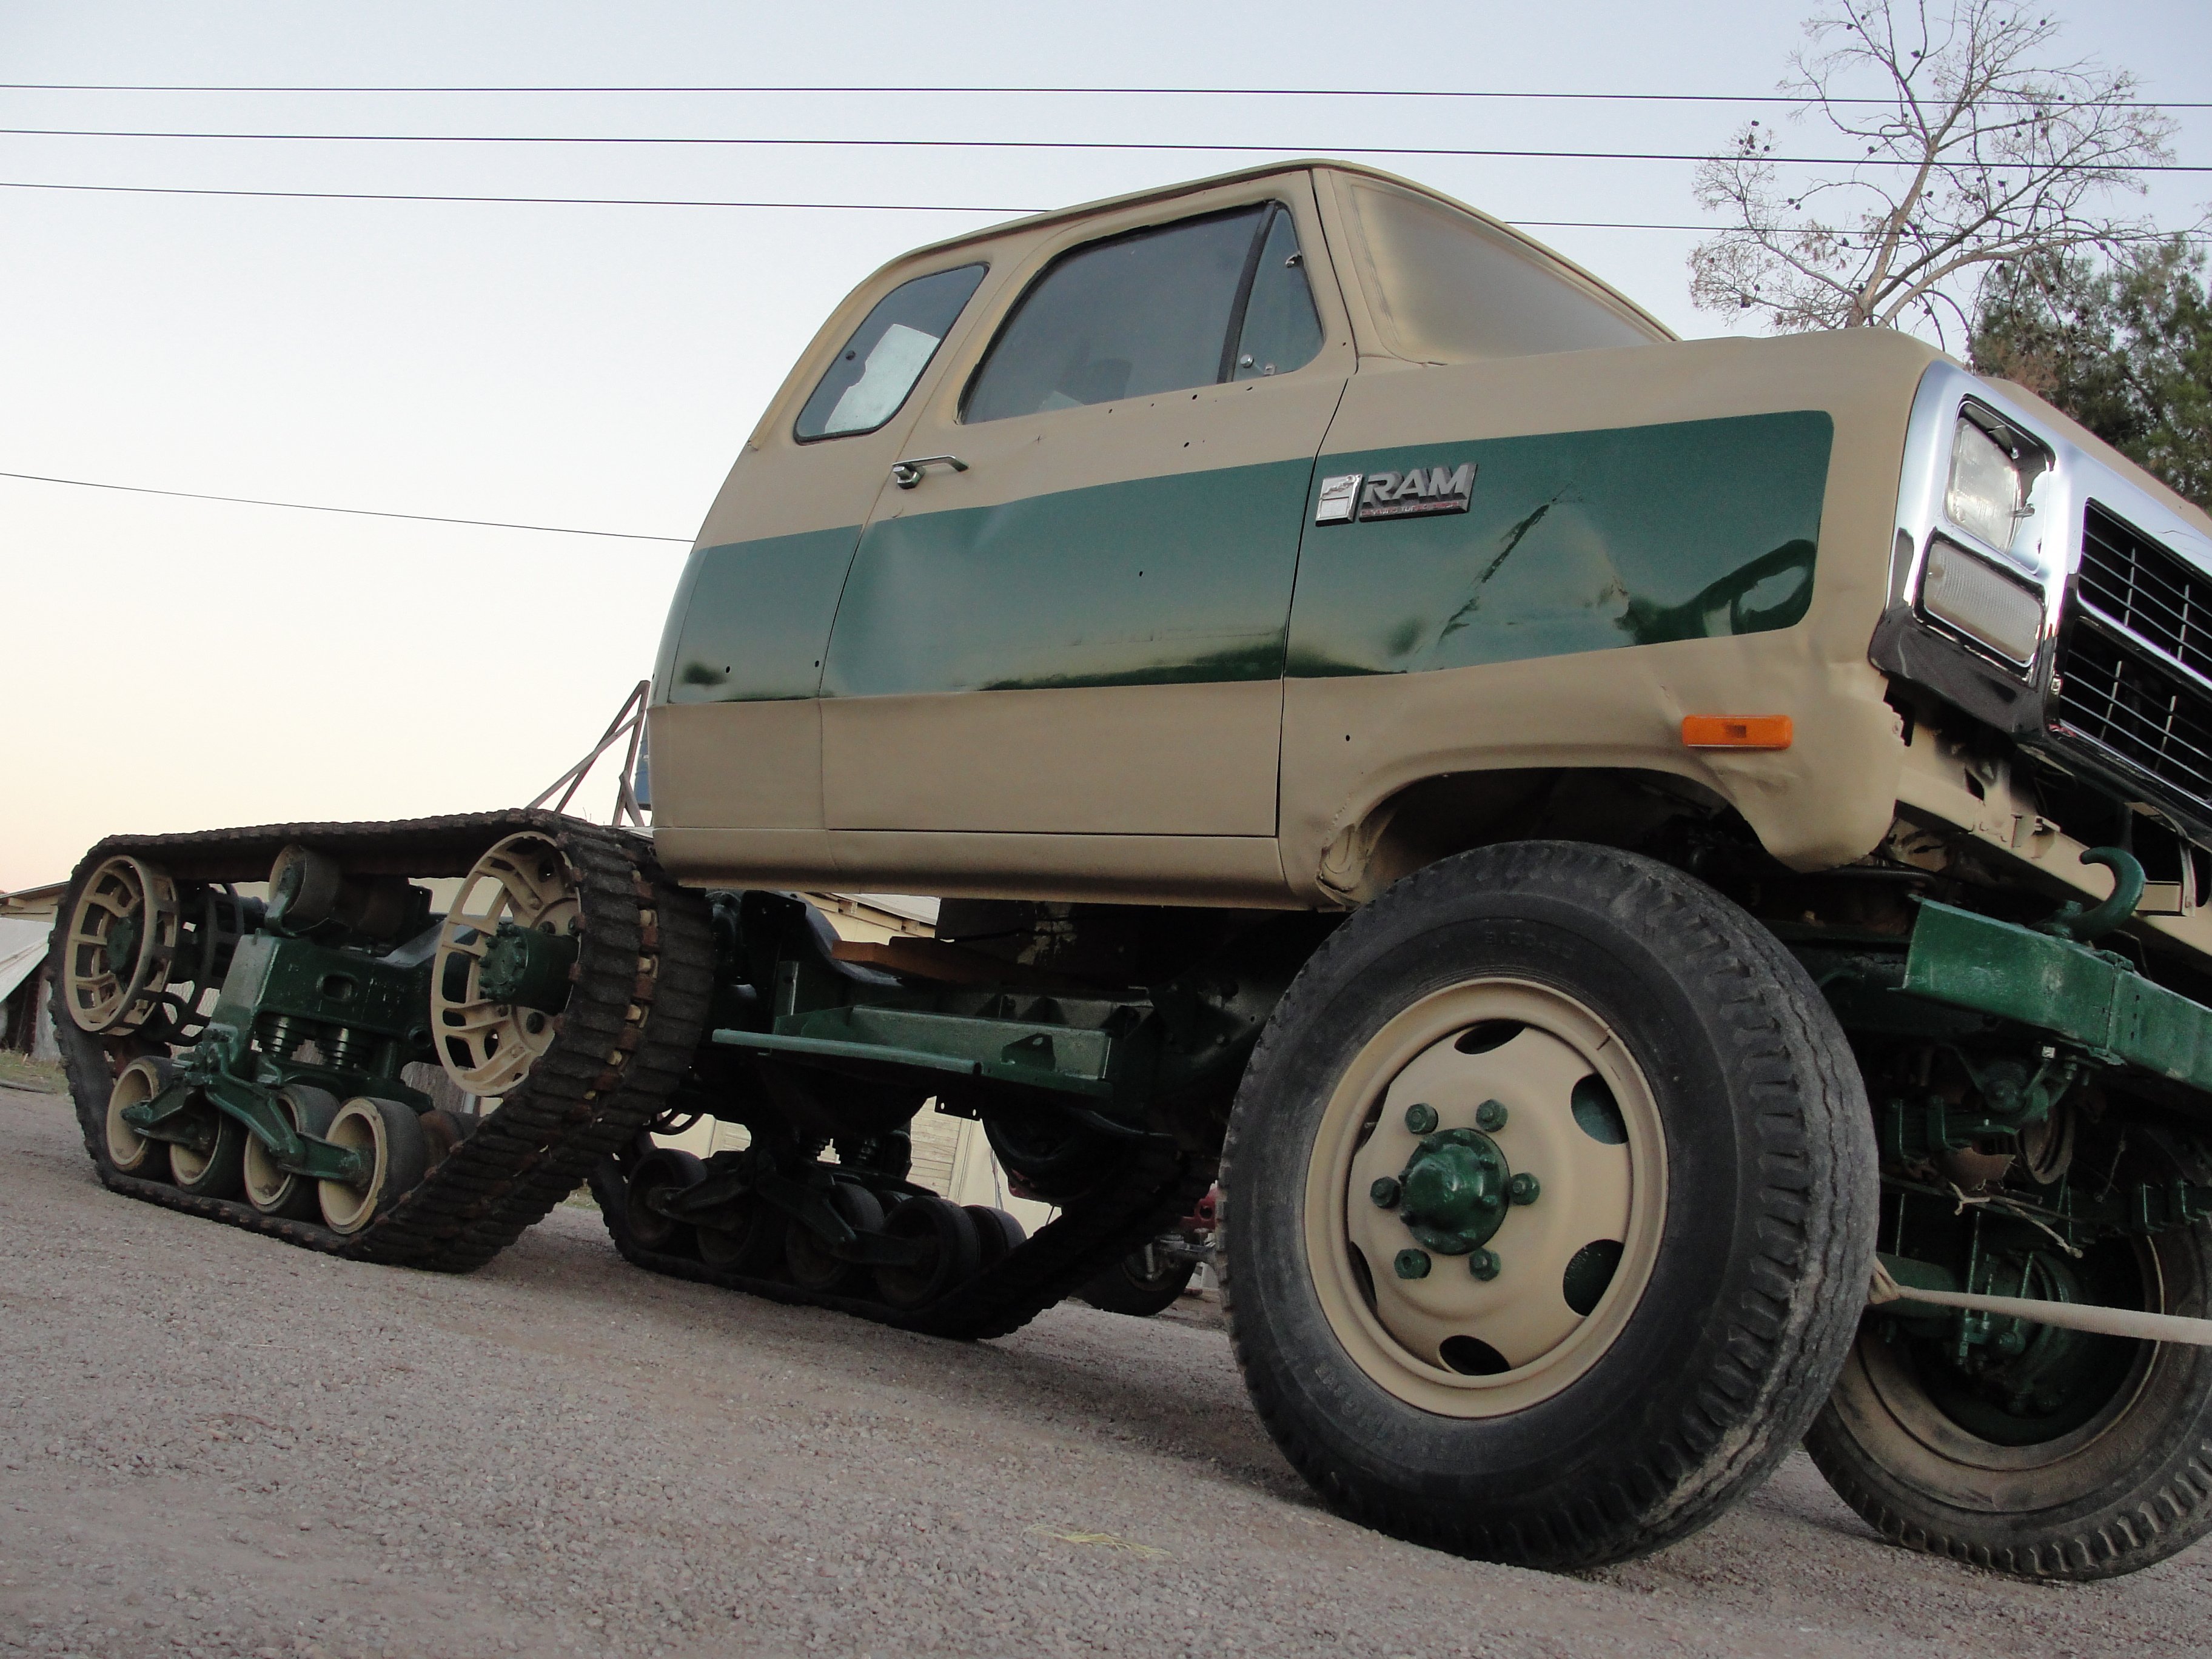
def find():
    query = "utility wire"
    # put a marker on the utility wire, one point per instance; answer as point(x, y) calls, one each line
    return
point(355, 512)
point(823, 207)
point(1148, 146)
point(1035, 92)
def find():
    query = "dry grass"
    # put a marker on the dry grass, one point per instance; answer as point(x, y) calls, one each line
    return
point(21, 1072)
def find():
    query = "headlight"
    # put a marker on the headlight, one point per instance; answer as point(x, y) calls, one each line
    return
point(1987, 488)
point(1971, 595)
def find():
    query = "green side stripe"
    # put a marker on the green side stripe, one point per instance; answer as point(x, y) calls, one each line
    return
point(1572, 542)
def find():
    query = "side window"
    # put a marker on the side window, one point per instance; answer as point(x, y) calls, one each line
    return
point(886, 355)
point(1154, 311)
point(1281, 331)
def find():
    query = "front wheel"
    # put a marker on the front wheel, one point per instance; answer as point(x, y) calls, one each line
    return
point(1548, 1200)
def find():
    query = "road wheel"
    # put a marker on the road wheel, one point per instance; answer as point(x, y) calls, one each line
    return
point(813, 1267)
point(213, 1163)
point(1547, 1205)
point(746, 1238)
point(663, 1170)
point(127, 1150)
point(952, 1252)
point(2107, 1477)
point(1141, 1284)
point(998, 1232)
point(396, 1153)
point(278, 1192)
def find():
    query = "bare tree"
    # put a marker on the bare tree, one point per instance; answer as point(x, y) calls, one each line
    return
point(1964, 150)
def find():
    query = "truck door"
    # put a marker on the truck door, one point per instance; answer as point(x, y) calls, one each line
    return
point(1067, 613)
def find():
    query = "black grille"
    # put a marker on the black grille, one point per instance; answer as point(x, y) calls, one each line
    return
point(2157, 720)
point(2137, 584)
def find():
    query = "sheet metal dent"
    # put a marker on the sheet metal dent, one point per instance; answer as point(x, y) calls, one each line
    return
point(1573, 542)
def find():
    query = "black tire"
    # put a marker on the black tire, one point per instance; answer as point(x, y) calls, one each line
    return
point(664, 1169)
point(399, 1155)
point(1752, 1265)
point(2126, 1489)
point(750, 1246)
point(954, 1252)
point(998, 1233)
point(278, 1192)
point(1141, 1284)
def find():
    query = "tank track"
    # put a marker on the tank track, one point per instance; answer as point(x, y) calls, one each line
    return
point(634, 1018)
point(1157, 1187)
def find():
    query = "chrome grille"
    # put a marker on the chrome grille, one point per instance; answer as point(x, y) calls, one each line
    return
point(2144, 591)
point(2156, 719)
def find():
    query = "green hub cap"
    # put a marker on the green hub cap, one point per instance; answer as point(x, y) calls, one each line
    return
point(1455, 1190)
point(123, 944)
point(528, 967)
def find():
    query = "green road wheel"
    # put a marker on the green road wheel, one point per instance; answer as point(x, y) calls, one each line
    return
point(746, 1238)
point(663, 1170)
point(275, 1191)
point(952, 1252)
point(392, 1144)
point(813, 1266)
point(213, 1163)
point(127, 1150)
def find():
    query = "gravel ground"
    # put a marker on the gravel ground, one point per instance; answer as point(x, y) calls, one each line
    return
point(214, 1444)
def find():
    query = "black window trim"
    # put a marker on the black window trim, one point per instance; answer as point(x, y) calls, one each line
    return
point(1268, 206)
point(982, 265)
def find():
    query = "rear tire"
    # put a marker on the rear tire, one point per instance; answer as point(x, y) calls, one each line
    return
point(1718, 1140)
point(2125, 1489)
point(1141, 1284)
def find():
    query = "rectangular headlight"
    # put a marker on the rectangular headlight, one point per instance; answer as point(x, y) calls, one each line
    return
point(1986, 490)
point(1974, 597)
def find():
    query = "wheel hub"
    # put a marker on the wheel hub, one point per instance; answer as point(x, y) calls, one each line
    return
point(1456, 1187)
point(528, 967)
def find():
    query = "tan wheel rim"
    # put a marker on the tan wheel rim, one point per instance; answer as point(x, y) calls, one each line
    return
point(489, 1048)
point(128, 1150)
point(1438, 1342)
point(358, 1127)
point(102, 993)
point(268, 1185)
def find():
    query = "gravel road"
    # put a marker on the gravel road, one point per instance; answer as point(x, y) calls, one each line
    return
point(214, 1444)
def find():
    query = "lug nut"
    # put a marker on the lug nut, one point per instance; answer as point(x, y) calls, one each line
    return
point(1524, 1188)
point(1384, 1191)
point(1420, 1119)
point(1489, 1115)
point(1483, 1264)
point(1412, 1264)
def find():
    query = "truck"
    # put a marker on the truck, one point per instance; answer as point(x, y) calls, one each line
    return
point(1669, 881)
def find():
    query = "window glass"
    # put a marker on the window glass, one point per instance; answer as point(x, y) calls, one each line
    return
point(886, 355)
point(1281, 329)
point(1137, 314)
point(1446, 288)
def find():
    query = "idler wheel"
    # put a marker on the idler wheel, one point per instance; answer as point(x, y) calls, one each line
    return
point(813, 1267)
point(269, 1188)
point(127, 1150)
point(122, 940)
point(663, 1170)
point(952, 1252)
point(501, 978)
point(395, 1154)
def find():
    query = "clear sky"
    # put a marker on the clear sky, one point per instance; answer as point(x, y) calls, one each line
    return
point(172, 664)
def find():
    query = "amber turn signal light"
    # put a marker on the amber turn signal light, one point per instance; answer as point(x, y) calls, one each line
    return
point(1736, 731)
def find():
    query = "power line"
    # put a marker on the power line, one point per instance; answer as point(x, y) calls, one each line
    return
point(355, 512)
point(700, 201)
point(1145, 145)
point(532, 201)
point(1035, 92)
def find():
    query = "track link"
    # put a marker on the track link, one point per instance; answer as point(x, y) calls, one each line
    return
point(634, 1015)
point(1156, 1188)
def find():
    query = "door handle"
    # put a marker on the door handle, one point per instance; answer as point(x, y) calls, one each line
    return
point(906, 474)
